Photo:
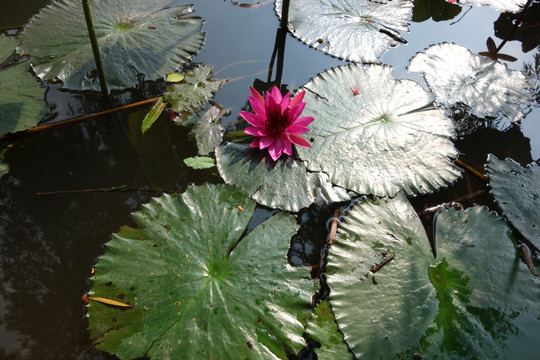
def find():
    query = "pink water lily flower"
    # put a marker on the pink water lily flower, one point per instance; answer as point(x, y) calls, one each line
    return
point(276, 123)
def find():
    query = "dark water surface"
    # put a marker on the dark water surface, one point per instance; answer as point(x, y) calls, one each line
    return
point(49, 242)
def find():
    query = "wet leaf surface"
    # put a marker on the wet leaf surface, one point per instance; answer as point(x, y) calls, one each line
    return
point(195, 290)
point(386, 138)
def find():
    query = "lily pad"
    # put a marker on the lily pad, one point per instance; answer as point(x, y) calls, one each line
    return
point(359, 31)
point(135, 37)
point(438, 10)
point(489, 303)
point(322, 328)
point(189, 96)
point(197, 287)
point(517, 191)
point(380, 320)
point(285, 184)
point(477, 301)
point(200, 162)
point(501, 5)
point(486, 87)
point(22, 103)
point(376, 135)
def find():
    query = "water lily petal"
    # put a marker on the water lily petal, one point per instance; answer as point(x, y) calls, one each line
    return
point(296, 111)
point(255, 131)
point(275, 94)
point(287, 145)
point(295, 139)
point(276, 149)
point(297, 130)
point(297, 99)
point(257, 105)
point(303, 121)
point(255, 143)
point(256, 95)
point(253, 119)
point(266, 141)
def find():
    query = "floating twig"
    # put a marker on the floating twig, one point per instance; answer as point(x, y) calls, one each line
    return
point(472, 170)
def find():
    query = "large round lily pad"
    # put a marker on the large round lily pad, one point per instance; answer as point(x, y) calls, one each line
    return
point(22, 99)
point(376, 135)
point(134, 37)
point(285, 184)
point(360, 30)
point(517, 191)
point(198, 288)
point(380, 320)
point(477, 300)
point(501, 5)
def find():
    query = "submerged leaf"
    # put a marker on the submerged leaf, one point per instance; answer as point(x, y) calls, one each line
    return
point(458, 76)
point(285, 184)
point(381, 138)
point(135, 37)
point(197, 290)
point(517, 191)
point(360, 30)
point(22, 103)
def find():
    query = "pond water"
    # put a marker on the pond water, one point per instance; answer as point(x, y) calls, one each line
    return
point(55, 216)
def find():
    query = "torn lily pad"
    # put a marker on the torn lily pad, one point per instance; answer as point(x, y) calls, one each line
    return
point(500, 5)
point(359, 31)
point(463, 305)
point(197, 287)
point(135, 37)
point(285, 184)
point(376, 135)
point(517, 191)
point(486, 87)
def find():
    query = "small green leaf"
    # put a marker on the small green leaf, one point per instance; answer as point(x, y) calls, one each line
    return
point(200, 162)
point(153, 114)
point(174, 77)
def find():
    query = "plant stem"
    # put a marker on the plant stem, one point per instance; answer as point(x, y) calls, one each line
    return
point(95, 46)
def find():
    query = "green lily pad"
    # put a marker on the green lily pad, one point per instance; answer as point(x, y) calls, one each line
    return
point(135, 37)
point(197, 287)
point(380, 320)
point(438, 10)
point(322, 328)
point(359, 31)
point(285, 184)
point(517, 191)
point(189, 96)
point(22, 103)
point(489, 303)
point(200, 162)
point(376, 135)
point(487, 87)
point(476, 301)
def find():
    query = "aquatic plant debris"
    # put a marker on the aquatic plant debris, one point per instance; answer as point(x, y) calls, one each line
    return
point(135, 37)
point(382, 140)
point(359, 31)
point(197, 290)
point(461, 305)
point(486, 87)
point(517, 192)
point(276, 123)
